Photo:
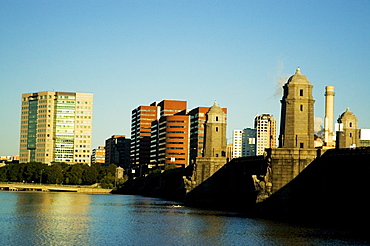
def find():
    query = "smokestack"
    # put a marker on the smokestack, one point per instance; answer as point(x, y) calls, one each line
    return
point(329, 117)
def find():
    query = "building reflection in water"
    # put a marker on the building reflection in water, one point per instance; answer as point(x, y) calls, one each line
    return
point(51, 218)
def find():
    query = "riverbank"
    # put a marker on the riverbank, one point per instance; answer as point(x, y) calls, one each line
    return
point(53, 188)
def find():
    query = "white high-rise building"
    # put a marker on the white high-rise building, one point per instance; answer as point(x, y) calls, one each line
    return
point(265, 126)
point(237, 143)
point(56, 127)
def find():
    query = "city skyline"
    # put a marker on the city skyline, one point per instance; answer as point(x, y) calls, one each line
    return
point(130, 53)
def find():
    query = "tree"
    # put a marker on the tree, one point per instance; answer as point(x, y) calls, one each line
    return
point(107, 182)
point(90, 175)
point(54, 174)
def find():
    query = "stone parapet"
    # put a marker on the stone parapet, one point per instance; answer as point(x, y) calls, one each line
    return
point(286, 163)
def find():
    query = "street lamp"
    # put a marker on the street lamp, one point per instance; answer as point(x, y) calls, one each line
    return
point(41, 176)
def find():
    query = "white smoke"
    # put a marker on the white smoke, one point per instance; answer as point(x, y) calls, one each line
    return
point(280, 79)
point(318, 126)
point(279, 85)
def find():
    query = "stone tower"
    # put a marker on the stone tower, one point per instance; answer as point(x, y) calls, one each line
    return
point(348, 132)
point(214, 149)
point(215, 133)
point(297, 113)
point(296, 141)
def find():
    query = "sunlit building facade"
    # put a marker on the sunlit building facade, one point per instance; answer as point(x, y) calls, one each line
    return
point(265, 126)
point(56, 127)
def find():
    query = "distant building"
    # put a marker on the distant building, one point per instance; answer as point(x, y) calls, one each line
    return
point(141, 124)
point(249, 142)
point(237, 143)
point(244, 142)
point(4, 160)
point(176, 136)
point(348, 132)
point(169, 135)
point(265, 126)
point(98, 155)
point(117, 151)
point(365, 138)
point(56, 127)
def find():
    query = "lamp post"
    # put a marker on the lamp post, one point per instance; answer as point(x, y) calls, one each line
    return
point(41, 176)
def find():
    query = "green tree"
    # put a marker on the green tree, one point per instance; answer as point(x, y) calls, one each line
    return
point(54, 174)
point(107, 182)
point(13, 172)
point(112, 169)
point(90, 175)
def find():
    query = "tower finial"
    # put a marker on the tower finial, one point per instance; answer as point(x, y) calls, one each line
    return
point(298, 71)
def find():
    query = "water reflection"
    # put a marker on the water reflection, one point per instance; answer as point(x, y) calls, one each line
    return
point(52, 218)
point(81, 219)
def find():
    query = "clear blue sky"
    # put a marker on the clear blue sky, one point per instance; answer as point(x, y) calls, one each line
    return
point(131, 53)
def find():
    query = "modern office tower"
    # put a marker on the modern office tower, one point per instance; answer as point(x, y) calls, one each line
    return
point(348, 133)
point(117, 151)
point(329, 134)
point(197, 120)
point(265, 126)
point(297, 113)
point(249, 142)
point(56, 127)
point(141, 123)
point(98, 155)
point(237, 143)
point(170, 135)
point(173, 140)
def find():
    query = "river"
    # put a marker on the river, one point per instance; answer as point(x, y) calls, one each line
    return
point(47, 218)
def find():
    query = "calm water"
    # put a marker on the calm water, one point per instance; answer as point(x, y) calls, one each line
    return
point(28, 218)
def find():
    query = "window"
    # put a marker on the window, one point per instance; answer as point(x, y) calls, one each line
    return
point(301, 145)
point(301, 93)
point(216, 118)
point(301, 107)
point(216, 129)
point(350, 124)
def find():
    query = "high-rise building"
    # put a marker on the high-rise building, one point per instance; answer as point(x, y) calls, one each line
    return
point(249, 142)
point(141, 123)
point(170, 135)
point(265, 126)
point(297, 113)
point(98, 155)
point(117, 151)
point(244, 142)
point(176, 135)
point(56, 127)
point(237, 143)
